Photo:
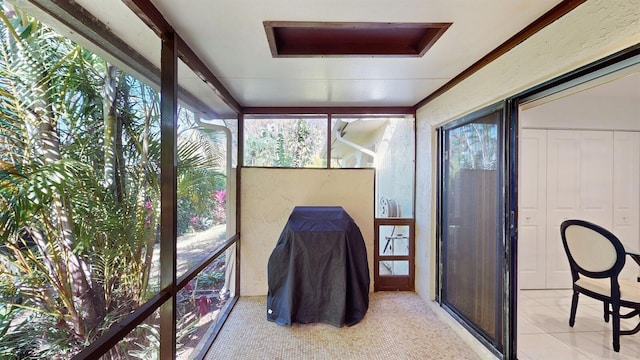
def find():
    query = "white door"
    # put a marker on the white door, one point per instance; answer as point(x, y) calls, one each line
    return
point(626, 194)
point(580, 186)
point(532, 208)
point(596, 177)
point(563, 200)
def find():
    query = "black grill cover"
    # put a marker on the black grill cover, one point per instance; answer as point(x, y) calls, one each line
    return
point(318, 271)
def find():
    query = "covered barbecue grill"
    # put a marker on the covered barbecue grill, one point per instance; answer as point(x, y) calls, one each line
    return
point(318, 271)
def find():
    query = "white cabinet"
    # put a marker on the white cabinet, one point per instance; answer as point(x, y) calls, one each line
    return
point(590, 175)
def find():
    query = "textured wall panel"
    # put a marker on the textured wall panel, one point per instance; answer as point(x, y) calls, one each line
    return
point(269, 195)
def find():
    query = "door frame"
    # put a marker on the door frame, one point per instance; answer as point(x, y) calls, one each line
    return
point(605, 66)
point(505, 208)
point(612, 63)
point(394, 282)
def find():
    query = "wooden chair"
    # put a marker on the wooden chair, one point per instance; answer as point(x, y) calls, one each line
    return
point(596, 257)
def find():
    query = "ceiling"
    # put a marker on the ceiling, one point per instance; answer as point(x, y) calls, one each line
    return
point(230, 38)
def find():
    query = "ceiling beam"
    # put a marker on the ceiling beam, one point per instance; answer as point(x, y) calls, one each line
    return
point(199, 68)
point(151, 16)
point(322, 110)
point(549, 17)
point(92, 34)
point(95, 32)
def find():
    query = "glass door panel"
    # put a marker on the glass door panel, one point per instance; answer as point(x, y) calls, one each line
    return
point(471, 213)
point(395, 240)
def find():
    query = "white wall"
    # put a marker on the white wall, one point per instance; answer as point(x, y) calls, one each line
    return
point(270, 194)
point(583, 111)
point(592, 31)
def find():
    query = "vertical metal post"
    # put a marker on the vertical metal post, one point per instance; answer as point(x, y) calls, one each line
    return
point(439, 227)
point(511, 231)
point(168, 186)
point(239, 198)
point(329, 121)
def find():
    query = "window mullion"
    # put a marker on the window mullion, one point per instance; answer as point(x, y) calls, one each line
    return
point(168, 190)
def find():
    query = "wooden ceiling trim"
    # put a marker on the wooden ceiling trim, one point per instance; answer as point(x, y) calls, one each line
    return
point(367, 39)
point(320, 110)
point(151, 16)
point(430, 37)
point(199, 68)
point(549, 17)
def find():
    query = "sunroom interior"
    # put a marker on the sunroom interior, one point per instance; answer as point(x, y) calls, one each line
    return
point(248, 109)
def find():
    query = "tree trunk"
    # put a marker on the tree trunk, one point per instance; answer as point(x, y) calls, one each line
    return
point(110, 127)
point(150, 219)
point(121, 117)
point(88, 311)
point(56, 240)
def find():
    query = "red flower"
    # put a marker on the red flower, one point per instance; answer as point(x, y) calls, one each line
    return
point(203, 305)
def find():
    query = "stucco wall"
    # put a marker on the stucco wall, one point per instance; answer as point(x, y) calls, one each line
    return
point(425, 251)
point(396, 163)
point(269, 195)
point(592, 31)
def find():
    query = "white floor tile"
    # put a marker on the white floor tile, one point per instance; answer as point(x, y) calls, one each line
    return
point(555, 319)
point(526, 326)
point(544, 331)
point(545, 346)
point(522, 356)
point(598, 345)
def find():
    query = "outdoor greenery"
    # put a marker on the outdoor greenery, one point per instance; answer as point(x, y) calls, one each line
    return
point(79, 193)
point(290, 142)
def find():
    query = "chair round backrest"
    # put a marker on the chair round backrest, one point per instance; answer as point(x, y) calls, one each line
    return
point(594, 250)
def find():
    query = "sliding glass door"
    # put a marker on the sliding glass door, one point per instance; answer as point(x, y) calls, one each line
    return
point(471, 210)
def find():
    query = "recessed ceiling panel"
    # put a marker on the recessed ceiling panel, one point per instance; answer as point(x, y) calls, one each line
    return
point(300, 39)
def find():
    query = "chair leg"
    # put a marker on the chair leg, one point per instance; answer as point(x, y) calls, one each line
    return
point(616, 327)
point(574, 307)
point(606, 311)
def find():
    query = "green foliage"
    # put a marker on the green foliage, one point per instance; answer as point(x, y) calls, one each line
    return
point(149, 347)
point(79, 218)
point(200, 175)
point(11, 340)
point(210, 279)
point(62, 232)
point(284, 142)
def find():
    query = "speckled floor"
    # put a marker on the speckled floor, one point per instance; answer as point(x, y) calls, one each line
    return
point(398, 325)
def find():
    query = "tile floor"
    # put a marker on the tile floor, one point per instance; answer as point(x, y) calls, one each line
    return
point(544, 331)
